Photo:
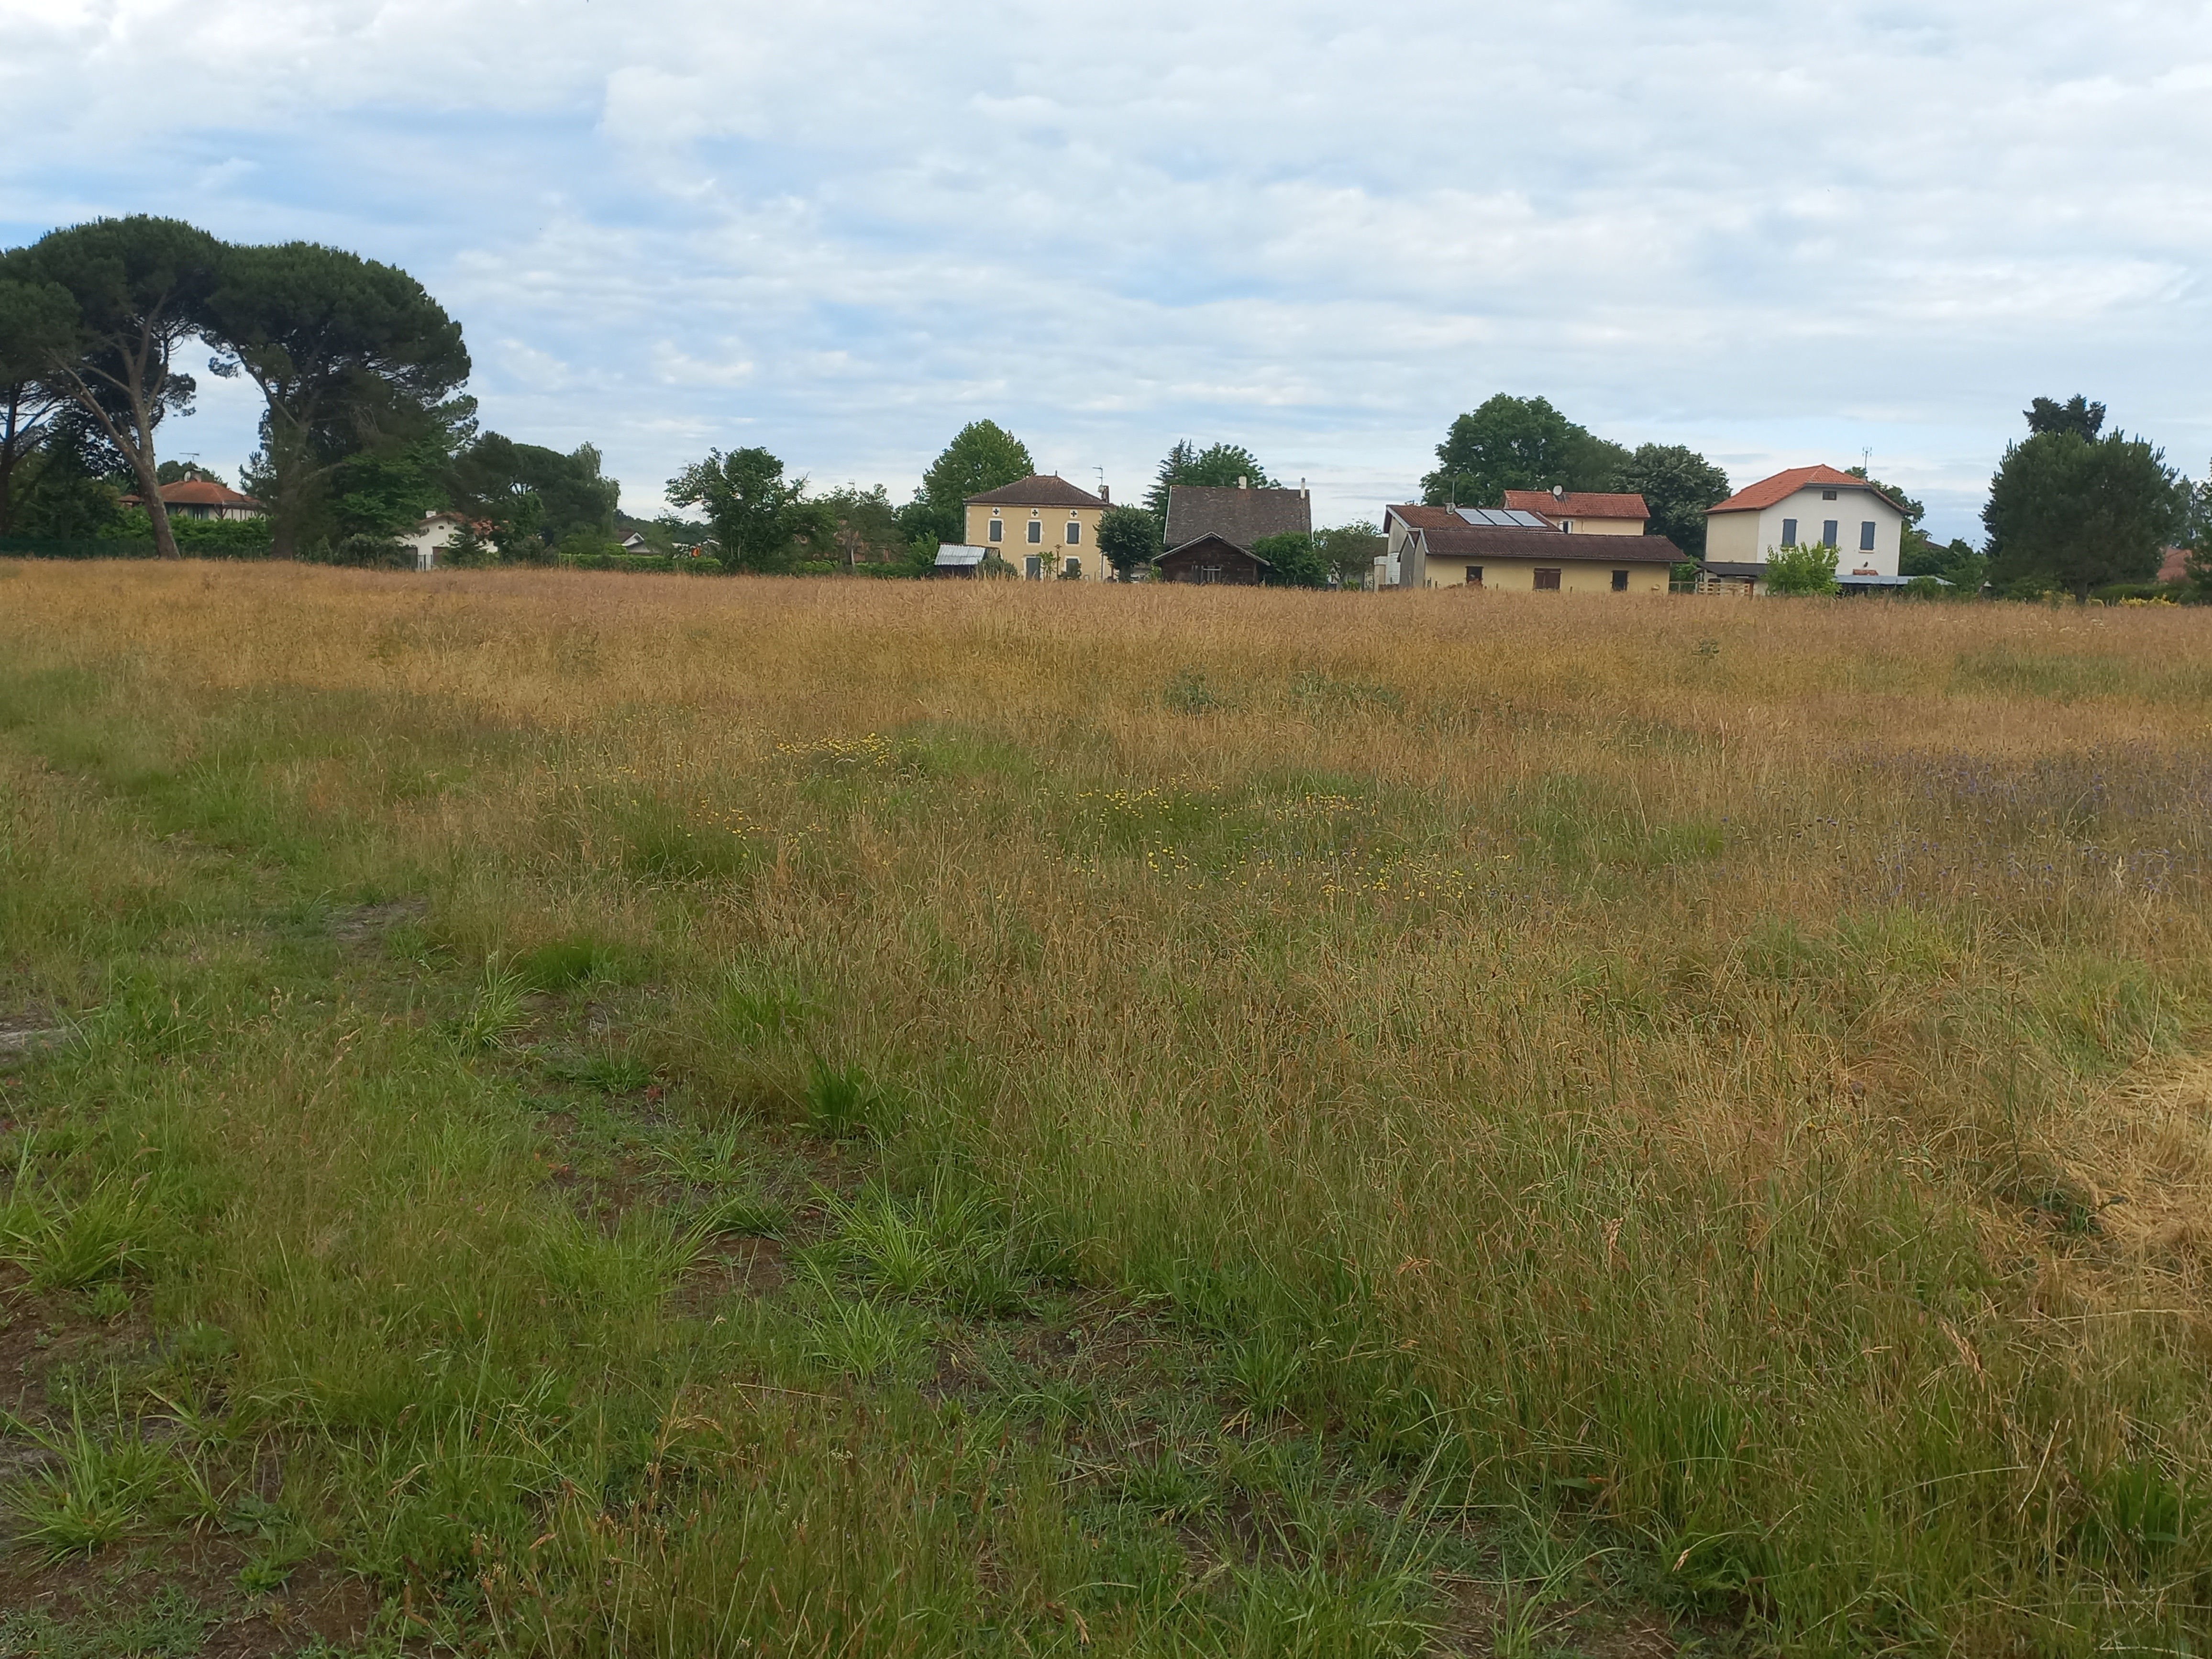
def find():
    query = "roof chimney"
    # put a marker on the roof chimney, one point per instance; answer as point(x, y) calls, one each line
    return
point(1105, 494)
point(1244, 482)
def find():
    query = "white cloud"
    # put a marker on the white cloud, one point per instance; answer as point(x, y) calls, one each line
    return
point(1778, 233)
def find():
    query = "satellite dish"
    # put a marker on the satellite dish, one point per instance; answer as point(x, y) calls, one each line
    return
point(1558, 491)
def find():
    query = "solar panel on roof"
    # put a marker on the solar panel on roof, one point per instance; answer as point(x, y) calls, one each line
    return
point(1526, 520)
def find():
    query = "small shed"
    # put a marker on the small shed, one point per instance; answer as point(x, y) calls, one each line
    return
point(1212, 561)
point(956, 559)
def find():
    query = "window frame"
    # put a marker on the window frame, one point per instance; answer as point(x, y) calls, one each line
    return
point(1036, 533)
point(1831, 532)
point(998, 532)
point(1620, 581)
point(1866, 535)
point(1075, 532)
point(1556, 585)
point(1790, 532)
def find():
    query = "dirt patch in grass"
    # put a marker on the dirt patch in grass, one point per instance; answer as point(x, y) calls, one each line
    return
point(175, 1597)
point(360, 929)
point(730, 1267)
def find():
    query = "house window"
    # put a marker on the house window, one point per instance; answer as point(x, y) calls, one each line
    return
point(1866, 536)
point(1075, 532)
point(1828, 532)
point(1790, 532)
point(1036, 533)
point(1072, 569)
point(1474, 576)
point(997, 529)
point(1620, 581)
point(1033, 567)
point(1567, 526)
point(1827, 495)
point(1209, 573)
point(1547, 581)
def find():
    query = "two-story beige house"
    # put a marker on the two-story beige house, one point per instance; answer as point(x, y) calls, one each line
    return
point(1806, 507)
point(1044, 526)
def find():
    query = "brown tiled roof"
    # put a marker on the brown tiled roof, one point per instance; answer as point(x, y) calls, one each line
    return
point(1577, 504)
point(1414, 515)
point(1038, 490)
point(1467, 541)
point(1782, 485)
point(1238, 516)
point(2173, 564)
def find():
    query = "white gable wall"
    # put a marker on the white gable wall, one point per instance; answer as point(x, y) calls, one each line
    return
point(1749, 538)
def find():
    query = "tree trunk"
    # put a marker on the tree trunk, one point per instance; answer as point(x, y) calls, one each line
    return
point(165, 539)
point(8, 459)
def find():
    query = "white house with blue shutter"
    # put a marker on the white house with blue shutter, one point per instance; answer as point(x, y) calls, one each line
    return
point(1808, 506)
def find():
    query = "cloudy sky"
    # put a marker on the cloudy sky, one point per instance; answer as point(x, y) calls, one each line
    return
point(1780, 233)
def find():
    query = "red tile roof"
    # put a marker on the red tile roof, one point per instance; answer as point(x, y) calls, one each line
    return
point(1577, 504)
point(1782, 485)
point(206, 492)
point(2173, 564)
point(1039, 490)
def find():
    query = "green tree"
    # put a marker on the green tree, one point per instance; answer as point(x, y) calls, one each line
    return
point(1518, 443)
point(1955, 562)
point(1349, 551)
point(351, 357)
point(1677, 484)
point(983, 456)
point(763, 523)
point(533, 498)
point(1128, 539)
point(1219, 466)
point(138, 289)
point(2077, 415)
point(1293, 560)
point(2078, 512)
point(868, 531)
point(1799, 570)
point(35, 319)
point(63, 491)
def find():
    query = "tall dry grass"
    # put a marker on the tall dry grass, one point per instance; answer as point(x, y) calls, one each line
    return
point(1735, 1071)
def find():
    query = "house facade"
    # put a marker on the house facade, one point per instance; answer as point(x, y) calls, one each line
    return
point(1044, 526)
point(1516, 560)
point(1582, 512)
point(437, 531)
point(204, 498)
point(1808, 506)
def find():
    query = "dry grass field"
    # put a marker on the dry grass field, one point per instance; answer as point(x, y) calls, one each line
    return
point(631, 1116)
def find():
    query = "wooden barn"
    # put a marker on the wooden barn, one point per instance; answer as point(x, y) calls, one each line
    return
point(1212, 561)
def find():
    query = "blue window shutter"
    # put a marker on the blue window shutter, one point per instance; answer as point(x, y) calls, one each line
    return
point(1790, 532)
point(1828, 532)
point(1866, 536)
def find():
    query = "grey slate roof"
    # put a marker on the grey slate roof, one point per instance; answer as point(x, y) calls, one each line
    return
point(1039, 490)
point(1238, 516)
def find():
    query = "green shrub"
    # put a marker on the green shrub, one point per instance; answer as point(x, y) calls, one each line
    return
point(1797, 569)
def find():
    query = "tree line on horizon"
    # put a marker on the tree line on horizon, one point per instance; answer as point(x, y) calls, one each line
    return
point(365, 427)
